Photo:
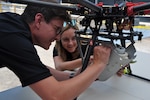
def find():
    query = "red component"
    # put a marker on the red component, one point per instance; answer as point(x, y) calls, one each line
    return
point(116, 5)
point(130, 6)
point(147, 12)
point(100, 4)
point(78, 5)
point(130, 11)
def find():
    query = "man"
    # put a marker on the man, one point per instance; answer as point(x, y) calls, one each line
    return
point(41, 26)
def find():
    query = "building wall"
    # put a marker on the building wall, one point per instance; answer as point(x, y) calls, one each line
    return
point(11, 7)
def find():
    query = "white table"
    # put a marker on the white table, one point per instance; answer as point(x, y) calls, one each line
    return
point(115, 88)
point(118, 88)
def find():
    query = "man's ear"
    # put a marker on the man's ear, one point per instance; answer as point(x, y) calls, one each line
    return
point(38, 19)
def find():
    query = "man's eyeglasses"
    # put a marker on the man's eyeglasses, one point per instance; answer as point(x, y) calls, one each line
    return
point(58, 31)
point(56, 28)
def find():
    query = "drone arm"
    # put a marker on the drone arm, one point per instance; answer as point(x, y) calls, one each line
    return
point(135, 9)
point(87, 4)
point(44, 3)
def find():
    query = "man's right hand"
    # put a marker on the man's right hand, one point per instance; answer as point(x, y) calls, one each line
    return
point(101, 54)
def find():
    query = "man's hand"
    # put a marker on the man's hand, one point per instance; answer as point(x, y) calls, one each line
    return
point(101, 54)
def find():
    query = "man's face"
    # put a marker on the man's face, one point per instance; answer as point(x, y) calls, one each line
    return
point(47, 32)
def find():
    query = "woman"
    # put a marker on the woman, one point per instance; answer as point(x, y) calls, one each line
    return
point(66, 53)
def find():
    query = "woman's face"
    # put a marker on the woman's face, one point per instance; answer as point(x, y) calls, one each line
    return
point(68, 40)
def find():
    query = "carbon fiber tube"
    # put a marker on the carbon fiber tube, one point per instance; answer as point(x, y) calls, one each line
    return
point(141, 7)
point(44, 3)
point(88, 4)
point(136, 9)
